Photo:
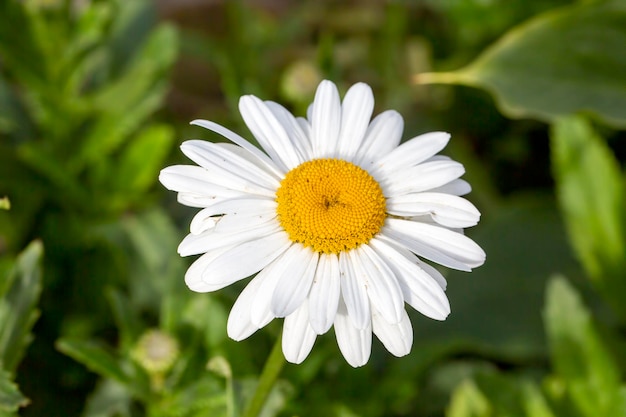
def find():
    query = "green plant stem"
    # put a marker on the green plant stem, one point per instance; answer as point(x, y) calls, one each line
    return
point(268, 377)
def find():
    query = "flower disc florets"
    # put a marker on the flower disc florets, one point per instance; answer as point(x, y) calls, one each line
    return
point(330, 205)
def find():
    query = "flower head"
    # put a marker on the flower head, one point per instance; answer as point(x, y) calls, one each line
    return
point(334, 218)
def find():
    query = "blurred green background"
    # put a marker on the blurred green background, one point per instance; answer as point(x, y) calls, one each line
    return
point(96, 96)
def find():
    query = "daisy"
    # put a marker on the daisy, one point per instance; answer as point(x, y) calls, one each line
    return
point(335, 218)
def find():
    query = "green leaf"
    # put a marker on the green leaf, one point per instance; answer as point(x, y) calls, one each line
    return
point(126, 318)
point(66, 188)
point(95, 357)
point(468, 401)
point(19, 49)
point(10, 396)
point(108, 399)
point(534, 402)
point(498, 394)
point(126, 102)
point(18, 311)
point(143, 158)
point(578, 354)
point(496, 316)
point(591, 195)
point(561, 62)
point(204, 397)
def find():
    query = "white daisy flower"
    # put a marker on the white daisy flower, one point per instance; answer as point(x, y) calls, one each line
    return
point(334, 218)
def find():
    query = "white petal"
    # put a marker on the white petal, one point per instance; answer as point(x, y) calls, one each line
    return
point(299, 265)
point(325, 120)
point(428, 269)
point(269, 132)
point(324, 295)
point(242, 221)
point(420, 290)
point(397, 338)
point(240, 261)
point(382, 286)
point(413, 152)
point(239, 325)
point(202, 222)
point(355, 344)
point(235, 138)
point(433, 272)
point(268, 277)
point(221, 161)
point(438, 244)
point(422, 177)
point(199, 200)
point(306, 129)
point(243, 153)
point(194, 180)
point(299, 137)
point(457, 187)
point(193, 276)
point(245, 212)
point(210, 239)
point(382, 136)
point(356, 111)
point(353, 291)
point(445, 209)
point(298, 336)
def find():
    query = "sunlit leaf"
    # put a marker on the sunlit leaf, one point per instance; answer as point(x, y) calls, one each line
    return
point(10, 396)
point(560, 62)
point(591, 195)
point(18, 305)
point(468, 401)
point(534, 402)
point(579, 355)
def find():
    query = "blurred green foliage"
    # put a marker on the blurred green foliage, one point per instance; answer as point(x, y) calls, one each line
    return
point(94, 95)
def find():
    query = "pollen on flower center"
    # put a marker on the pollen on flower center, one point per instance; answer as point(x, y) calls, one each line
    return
point(330, 205)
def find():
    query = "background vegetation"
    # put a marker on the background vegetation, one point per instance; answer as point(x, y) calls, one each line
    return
point(95, 96)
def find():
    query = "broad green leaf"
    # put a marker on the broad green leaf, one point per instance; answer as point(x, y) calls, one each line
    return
point(593, 202)
point(561, 62)
point(578, 354)
point(18, 306)
point(10, 396)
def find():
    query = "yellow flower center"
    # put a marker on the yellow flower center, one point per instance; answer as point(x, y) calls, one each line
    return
point(330, 205)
